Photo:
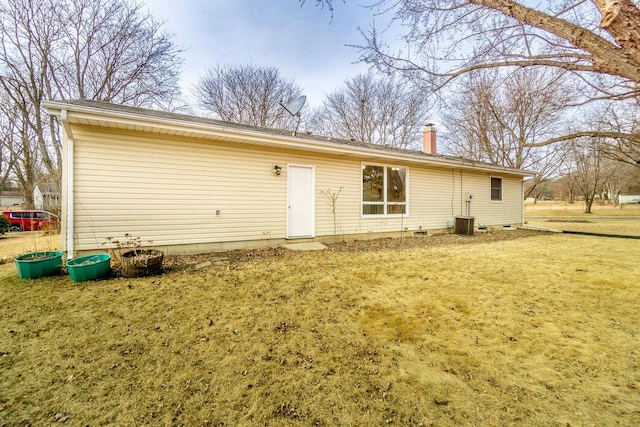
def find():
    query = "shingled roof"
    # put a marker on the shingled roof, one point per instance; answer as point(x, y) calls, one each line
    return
point(97, 107)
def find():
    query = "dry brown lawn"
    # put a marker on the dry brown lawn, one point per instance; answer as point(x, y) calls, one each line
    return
point(620, 226)
point(561, 209)
point(622, 220)
point(537, 330)
point(14, 244)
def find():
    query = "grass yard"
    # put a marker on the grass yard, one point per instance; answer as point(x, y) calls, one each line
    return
point(562, 209)
point(623, 220)
point(621, 226)
point(14, 244)
point(537, 330)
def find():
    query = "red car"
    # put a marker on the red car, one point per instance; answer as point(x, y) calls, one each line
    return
point(29, 220)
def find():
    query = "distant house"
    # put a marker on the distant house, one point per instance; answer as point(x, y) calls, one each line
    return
point(191, 184)
point(11, 198)
point(625, 199)
point(46, 197)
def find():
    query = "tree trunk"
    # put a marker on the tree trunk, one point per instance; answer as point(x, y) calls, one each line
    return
point(606, 57)
point(621, 19)
point(588, 201)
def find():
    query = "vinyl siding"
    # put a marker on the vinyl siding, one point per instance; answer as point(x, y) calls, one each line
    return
point(168, 189)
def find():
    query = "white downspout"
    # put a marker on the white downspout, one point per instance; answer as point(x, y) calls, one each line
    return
point(70, 201)
point(522, 199)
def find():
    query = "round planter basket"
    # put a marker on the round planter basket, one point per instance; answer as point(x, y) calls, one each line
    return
point(141, 262)
point(89, 267)
point(39, 264)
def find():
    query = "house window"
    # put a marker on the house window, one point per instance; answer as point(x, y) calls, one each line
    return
point(496, 189)
point(384, 190)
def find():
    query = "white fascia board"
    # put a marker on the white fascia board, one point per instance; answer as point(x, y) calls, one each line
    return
point(75, 113)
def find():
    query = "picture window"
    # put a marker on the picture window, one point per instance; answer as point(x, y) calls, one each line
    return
point(384, 190)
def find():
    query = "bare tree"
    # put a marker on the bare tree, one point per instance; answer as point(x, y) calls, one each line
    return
point(374, 110)
point(495, 118)
point(619, 177)
point(88, 49)
point(538, 190)
point(615, 117)
point(7, 152)
point(597, 41)
point(18, 136)
point(114, 51)
point(589, 170)
point(248, 94)
point(566, 186)
point(29, 30)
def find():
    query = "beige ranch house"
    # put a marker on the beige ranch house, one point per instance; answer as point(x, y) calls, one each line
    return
point(193, 185)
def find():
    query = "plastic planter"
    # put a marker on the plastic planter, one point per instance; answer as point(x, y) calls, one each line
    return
point(89, 267)
point(39, 264)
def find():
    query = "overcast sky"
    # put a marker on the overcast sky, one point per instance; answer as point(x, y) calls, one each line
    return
point(304, 43)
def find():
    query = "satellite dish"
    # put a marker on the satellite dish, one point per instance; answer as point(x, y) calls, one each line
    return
point(294, 108)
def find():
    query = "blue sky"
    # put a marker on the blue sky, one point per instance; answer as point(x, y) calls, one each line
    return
point(304, 43)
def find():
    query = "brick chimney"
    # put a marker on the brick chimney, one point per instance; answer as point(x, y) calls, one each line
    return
point(429, 139)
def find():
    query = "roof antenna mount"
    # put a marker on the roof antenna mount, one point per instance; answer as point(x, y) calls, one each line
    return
point(294, 108)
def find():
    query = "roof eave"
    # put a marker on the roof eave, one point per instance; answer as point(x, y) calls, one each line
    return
point(72, 112)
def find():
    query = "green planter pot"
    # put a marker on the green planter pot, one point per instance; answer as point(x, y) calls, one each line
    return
point(39, 264)
point(89, 267)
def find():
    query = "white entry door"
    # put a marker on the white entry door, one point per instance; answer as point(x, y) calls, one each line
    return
point(300, 201)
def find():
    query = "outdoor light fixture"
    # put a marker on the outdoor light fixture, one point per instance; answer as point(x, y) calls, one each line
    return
point(277, 169)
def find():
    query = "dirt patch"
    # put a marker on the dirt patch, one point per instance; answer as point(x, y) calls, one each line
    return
point(232, 258)
point(434, 240)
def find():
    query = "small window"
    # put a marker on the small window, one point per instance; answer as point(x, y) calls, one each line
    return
point(384, 190)
point(496, 189)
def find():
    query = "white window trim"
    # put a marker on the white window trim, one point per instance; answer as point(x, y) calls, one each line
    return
point(384, 203)
point(501, 189)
